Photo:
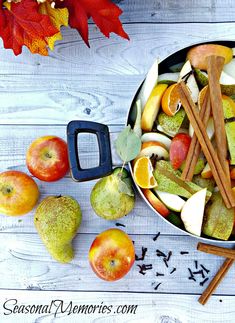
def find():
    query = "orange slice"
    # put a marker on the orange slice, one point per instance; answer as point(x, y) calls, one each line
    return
point(143, 173)
point(171, 100)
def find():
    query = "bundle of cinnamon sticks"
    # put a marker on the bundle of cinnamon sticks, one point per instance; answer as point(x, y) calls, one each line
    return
point(216, 158)
point(212, 102)
point(219, 251)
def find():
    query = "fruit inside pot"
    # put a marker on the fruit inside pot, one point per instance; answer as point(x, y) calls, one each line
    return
point(188, 147)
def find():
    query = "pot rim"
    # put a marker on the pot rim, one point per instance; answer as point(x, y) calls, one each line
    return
point(185, 233)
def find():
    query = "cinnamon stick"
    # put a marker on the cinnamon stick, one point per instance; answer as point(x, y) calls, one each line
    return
point(214, 68)
point(195, 148)
point(215, 281)
point(207, 147)
point(215, 250)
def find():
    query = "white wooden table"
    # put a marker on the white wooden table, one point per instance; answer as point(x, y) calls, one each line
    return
point(39, 96)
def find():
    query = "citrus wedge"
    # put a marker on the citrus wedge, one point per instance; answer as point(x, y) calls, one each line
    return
point(143, 173)
point(171, 100)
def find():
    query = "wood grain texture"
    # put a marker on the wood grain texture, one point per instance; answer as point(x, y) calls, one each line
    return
point(177, 11)
point(144, 219)
point(152, 307)
point(25, 264)
point(114, 56)
point(66, 93)
point(14, 143)
point(39, 96)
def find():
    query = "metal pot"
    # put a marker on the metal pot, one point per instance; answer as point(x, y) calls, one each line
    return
point(105, 165)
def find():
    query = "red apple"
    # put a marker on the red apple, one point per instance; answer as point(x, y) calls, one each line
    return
point(47, 158)
point(112, 254)
point(179, 149)
point(156, 203)
point(18, 193)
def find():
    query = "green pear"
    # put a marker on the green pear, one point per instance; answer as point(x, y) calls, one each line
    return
point(112, 197)
point(170, 125)
point(57, 220)
point(169, 180)
point(198, 168)
point(227, 82)
point(229, 117)
point(218, 220)
point(208, 183)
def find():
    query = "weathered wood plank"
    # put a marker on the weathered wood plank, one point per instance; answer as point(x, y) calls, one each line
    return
point(177, 11)
point(144, 219)
point(113, 56)
point(25, 264)
point(14, 143)
point(15, 140)
point(151, 307)
point(59, 100)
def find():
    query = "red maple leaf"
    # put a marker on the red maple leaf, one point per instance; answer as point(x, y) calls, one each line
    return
point(104, 13)
point(21, 24)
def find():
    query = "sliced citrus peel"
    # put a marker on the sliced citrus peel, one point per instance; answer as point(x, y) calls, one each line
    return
point(143, 173)
point(171, 100)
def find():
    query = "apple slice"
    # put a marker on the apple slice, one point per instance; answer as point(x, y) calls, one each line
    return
point(210, 129)
point(158, 137)
point(230, 68)
point(153, 148)
point(179, 149)
point(193, 211)
point(156, 203)
point(152, 107)
point(137, 126)
point(172, 201)
point(149, 84)
point(198, 54)
point(206, 173)
point(168, 78)
point(186, 75)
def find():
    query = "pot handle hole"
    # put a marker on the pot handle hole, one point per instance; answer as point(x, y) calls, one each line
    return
point(105, 158)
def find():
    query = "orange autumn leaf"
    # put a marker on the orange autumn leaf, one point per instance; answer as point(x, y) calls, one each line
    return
point(58, 17)
point(21, 24)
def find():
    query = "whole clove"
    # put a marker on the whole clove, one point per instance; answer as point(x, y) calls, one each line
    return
point(159, 274)
point(156, 236)
point(120, 225)
point(204, 281)
point(173, 270)
point(184, 252)
point(144, 267)
point(156, 287)
point(196, 264)
point(160, 253)
point(169, 256)
point(144, 250)
point(199, 272)
point(165, 262)
point(190, 271)
point(205, 269)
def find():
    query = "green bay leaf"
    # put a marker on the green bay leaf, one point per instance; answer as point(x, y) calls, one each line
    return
point(128, 144)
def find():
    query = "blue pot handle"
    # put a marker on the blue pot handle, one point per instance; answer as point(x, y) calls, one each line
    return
point(105, 158)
